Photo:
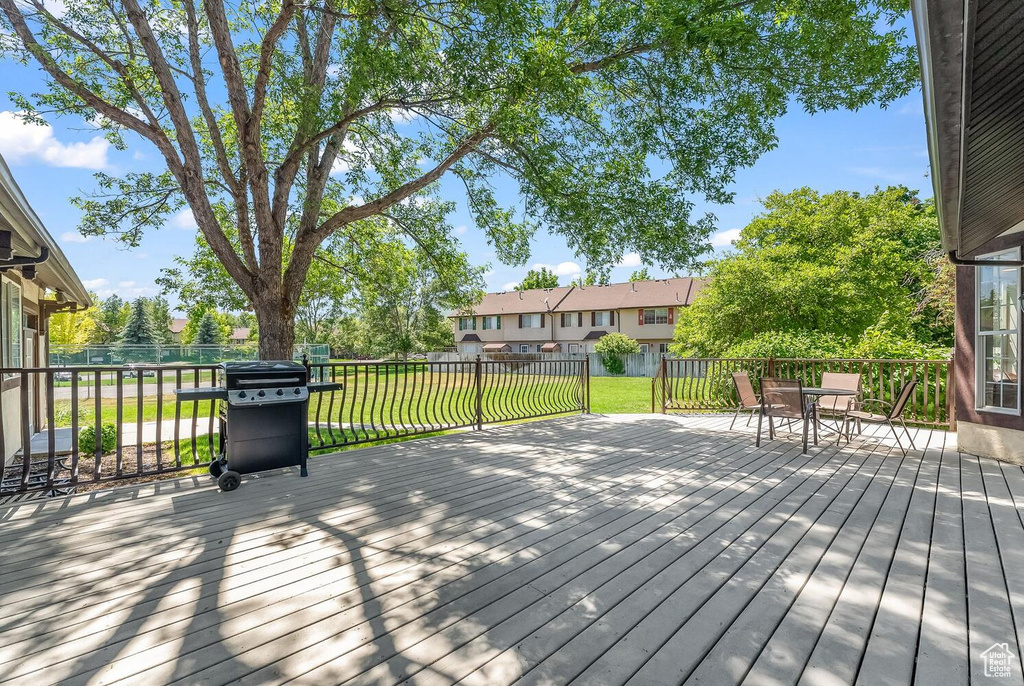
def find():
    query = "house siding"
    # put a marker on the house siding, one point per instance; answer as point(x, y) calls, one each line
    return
point(964, 358)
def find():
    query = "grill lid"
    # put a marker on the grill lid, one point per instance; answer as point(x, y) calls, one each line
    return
point(263, 374)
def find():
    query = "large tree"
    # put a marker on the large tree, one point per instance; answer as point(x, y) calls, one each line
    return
point(538, 278)
point(836, 265)
point(281, 124)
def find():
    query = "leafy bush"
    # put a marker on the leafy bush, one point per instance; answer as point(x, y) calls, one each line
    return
point(612, 347)
point(108, 438)
point(875, 343)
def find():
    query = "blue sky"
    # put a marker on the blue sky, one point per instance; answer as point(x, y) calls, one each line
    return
point(829, 151)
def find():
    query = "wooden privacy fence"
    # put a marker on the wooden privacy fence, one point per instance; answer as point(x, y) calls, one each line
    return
point(643, 365)
point(145, 432)
point(705, 384)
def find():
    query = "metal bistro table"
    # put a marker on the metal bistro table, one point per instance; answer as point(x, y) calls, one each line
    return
point(812, 393)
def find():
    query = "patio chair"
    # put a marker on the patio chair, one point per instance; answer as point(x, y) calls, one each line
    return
point(892, 412)
point(782, 398)
point(837, 406)
point(748, 399)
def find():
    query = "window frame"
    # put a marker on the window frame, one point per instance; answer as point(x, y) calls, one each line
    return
point(530, 317)
point(645, 348)
point(572, 319)
point(607, 317)
point(524, 348)
point(979, 335)
point(12, 345)
point(495, 321)
point(654, 315)
point(464, 326)
point(574, 348)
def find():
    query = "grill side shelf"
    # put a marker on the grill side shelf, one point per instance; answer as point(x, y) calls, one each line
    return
point(324, 387)
point(189, 394)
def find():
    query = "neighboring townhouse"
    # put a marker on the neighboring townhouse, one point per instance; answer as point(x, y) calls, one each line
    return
point(571, 319)
point(177, 326)
point(36, 280)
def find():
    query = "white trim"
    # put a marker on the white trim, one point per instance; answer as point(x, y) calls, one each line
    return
point(979, 355)
point(524, 348)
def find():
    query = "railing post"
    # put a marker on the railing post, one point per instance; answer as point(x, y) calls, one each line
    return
point(771, 366)
point(951, 392)
point(664, 384)
point(479, 394)
point(586, 384)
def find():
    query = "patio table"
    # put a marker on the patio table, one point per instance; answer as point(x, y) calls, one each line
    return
point(812, 393)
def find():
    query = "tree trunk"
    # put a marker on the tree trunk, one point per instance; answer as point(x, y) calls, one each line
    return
point(277, 329)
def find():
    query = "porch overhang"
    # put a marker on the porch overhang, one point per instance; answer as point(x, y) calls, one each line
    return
point(497, 347)
point(972, 68)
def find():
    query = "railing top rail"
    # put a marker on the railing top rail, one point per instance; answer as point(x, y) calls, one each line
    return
point(806, 359)
point(91, 368)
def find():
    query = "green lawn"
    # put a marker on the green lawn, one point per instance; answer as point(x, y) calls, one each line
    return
point(409, 399)
point(610, 395)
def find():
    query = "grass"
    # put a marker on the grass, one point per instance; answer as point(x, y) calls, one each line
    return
point(421, 406)
point(620, 395)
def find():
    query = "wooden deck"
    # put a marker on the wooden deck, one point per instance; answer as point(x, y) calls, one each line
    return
point(589, 550)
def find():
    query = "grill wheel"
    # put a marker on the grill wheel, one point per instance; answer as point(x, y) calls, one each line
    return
point(229, 480)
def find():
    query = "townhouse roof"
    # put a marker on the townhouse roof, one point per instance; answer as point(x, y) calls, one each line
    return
point(240, 333)
point(616, 296)
point(178, 325)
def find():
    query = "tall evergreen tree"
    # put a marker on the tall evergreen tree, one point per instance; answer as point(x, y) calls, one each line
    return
point(139, 328)
point(209, 331)
point(160, 312)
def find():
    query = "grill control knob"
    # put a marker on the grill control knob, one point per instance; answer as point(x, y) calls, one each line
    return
point(297, 391)
point(262, 394)
point(280, 391)
point(241, 394)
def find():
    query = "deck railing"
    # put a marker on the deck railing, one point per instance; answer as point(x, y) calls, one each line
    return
point(705, 384)
point(144, 432)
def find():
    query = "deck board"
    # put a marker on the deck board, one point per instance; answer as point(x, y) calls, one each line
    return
point(594, 550)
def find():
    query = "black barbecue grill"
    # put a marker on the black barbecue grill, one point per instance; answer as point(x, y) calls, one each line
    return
point(263, 418)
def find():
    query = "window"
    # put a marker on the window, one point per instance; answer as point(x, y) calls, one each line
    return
point(663, 348)
point(10, 324)
point(568, 319)
point(997, 351)
point(524, 348)
point(467, 323)
point(574, 348)
point(656, 315)
point(644, 348)
point(602, 319)
point(530, 321)
point(492, 322)
point(540, 348)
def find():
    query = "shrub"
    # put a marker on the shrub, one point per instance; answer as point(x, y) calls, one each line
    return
point(108, 438)
point(611, 347)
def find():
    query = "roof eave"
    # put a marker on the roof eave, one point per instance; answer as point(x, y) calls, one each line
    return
point(939, 29)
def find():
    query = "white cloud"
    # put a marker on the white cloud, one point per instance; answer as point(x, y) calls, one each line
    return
point(401, 115)
point(22, 141)
point(723, 239)
point(128, 290)
point(510, 286)
point(74, 237)
point(561, 269)
point(343, 162)
point(184, 220)
point(460, 230)
point(630, 260)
